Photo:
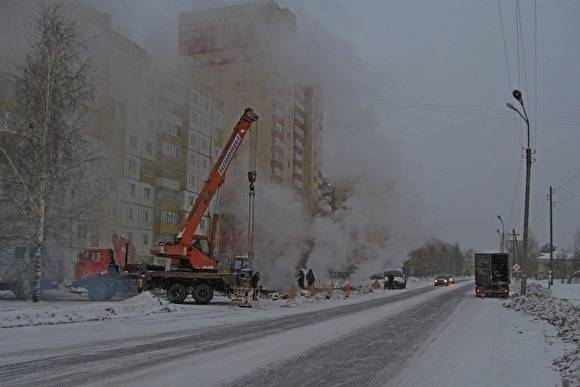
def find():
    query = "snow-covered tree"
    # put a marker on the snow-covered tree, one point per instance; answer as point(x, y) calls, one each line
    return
point(45, 160)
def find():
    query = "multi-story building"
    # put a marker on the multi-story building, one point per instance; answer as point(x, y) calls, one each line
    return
point(239, 50)
point(158, 137)
point(337, 191)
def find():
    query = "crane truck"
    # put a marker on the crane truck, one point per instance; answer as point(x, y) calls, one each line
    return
point(194, 268)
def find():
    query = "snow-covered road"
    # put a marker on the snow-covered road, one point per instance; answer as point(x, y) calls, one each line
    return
point(371, 342)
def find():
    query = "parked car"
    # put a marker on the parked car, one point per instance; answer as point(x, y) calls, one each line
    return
point(399, 279)
point(443, 280)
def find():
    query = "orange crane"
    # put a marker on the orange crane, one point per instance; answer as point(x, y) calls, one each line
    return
point(186, 246)
point(104, 271)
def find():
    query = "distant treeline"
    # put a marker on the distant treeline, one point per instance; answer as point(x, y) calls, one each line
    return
point(439, 257)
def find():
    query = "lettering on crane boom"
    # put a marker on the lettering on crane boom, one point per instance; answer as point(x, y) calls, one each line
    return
point(230, 154)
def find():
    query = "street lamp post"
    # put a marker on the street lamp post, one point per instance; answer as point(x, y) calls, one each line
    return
point(502, 235)
point(500, 240)
point(518, 96)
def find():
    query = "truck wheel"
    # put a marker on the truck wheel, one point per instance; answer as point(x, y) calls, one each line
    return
point(203, 293)
point(176, 293)
point(100, 289)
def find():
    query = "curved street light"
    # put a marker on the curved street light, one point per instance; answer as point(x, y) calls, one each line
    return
point(518, 96)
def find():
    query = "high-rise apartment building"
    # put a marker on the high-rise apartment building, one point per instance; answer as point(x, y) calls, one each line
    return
point(158, 135)
point(240, 50)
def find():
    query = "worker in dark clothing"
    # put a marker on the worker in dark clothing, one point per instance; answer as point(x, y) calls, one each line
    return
point(390, 284)
point(310, 281)
point(254, 284)
point(300, 278)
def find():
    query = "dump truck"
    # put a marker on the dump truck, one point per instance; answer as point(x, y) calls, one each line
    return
point(492, 274)
point(194, 270)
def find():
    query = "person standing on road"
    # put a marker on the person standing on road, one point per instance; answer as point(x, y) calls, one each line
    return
point(254, 284)
point(390, 281)
point(310, 281)
point(300, 278)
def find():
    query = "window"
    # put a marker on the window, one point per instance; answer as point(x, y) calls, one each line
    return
point(169, 217)
point(206, 105)
point(167, 195)
point(81, 232)
point(147, 172)
point(192, 180)
point(147, 192)
point(145, 239)
point(204, 144)
point(150, 124)
point(205, 125)
point(219, 72)
point(204, 163)
point(239, 100)
point(196, 47)
point(218, 44)
point(132, 165)
point(132, 188)
point(130, 235)
point(219, 58)
point(238, 85)
point(192, 159)
point(146, 216)
point(172, 128)
point(192, 139)
point(194, 119)
point(129, 213)
point(133, 141)
point(170, 150)
point(149, 147)
point(191, 200)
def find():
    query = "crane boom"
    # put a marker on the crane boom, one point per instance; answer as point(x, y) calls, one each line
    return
point(182, 248)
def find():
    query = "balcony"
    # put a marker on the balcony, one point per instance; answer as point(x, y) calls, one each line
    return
point(167, 183)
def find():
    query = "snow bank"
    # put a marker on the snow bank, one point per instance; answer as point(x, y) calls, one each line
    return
point(46, 314)
point(565, 316)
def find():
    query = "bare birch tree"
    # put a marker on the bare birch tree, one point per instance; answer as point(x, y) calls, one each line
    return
point(45, 156)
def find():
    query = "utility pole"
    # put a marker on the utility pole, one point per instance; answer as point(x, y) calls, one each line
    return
point(518, 96)
point(551, 272)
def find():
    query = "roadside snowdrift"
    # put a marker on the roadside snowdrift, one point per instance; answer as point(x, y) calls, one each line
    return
point(141, 305)
point(565, 316)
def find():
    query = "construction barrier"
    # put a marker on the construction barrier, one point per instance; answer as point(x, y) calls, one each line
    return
point(245, 297)
point(290, 296)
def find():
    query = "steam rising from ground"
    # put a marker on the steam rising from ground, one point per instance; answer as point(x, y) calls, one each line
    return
point(384, 218)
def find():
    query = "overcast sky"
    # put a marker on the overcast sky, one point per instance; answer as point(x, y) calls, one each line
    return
point(442, 71)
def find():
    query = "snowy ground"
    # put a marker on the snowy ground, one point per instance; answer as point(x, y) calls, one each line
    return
point(381, 338)
point(66, 308)
point(557, 306)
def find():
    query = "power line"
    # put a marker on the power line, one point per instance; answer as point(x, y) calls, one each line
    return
point(450, 110)
point(570, 198)
point(518, 41)
point(536, 95)
point(521, 37)
point(505, 49)
point(538, 213)
point(516, 190)
point(574, 176)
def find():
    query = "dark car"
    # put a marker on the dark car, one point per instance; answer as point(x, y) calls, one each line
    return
point(443, 280)
point(399, 279)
